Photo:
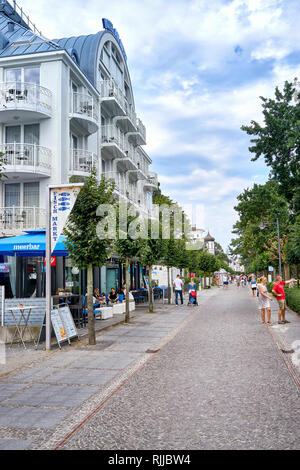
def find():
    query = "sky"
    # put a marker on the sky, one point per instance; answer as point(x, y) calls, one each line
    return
point(197, 69)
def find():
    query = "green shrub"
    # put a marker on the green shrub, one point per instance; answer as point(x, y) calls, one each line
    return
point(293, 298)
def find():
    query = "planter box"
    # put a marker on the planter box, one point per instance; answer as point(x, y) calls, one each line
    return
point(118, 309)
point(106, 312)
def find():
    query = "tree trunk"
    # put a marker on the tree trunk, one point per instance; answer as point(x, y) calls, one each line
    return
point(286, 269)
point(127, 314)
point(169, 287)
point(90, 306)
point(150, 291)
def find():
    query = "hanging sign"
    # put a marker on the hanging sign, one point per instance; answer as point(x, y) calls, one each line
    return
point(62, 201)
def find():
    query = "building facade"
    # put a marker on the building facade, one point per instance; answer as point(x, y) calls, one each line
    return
point(66, 106)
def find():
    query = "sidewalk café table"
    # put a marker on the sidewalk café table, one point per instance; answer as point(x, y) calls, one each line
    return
point(23, 316)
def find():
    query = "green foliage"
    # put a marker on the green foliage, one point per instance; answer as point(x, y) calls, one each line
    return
point(293, 245)
point(293, 299)
point(83, 244)
point(278, 140)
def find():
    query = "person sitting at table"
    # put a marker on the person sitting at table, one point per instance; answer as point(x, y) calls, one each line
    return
point(122, 295)
point(102, 299)
point(113, 296)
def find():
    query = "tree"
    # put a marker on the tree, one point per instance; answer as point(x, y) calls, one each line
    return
point(278, 140)
point(86, 248)
point(262, 203)
point(129, 246)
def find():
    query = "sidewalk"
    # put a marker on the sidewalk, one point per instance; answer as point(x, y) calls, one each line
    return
point(47, 397)
point(287, 336)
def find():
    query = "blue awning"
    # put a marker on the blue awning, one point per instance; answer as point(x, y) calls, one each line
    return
point(31, 244)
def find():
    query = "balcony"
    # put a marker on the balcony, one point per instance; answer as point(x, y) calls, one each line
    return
point(151, 182)
point(138, 137)
point(20, 219)
point(23, 160)
point(82, 162)
point(112, 142)
point(20, 101)
point(112, 98)
point(128, 121)
point(84, 111)
point(120, 184)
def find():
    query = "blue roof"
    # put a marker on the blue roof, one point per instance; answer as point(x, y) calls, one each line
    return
point(31, 244)
point(82, 49)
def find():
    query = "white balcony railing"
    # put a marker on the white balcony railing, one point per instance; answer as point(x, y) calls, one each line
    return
point(17, 155)
point(83, 161)
point(84, 105)
point(118, 180)
point(141, 128)
point(153, 179)
point(112, 135)
point(16, 219)
point(22, 95)
point(109, 89)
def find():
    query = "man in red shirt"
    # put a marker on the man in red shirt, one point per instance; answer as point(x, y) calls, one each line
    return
point(278, 291)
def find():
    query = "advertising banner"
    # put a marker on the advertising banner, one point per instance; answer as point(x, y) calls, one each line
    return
point(62, 201)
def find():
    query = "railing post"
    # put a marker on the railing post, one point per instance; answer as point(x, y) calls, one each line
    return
point(35, 156)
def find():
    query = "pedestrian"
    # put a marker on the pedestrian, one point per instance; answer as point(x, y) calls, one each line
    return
point(225, 282)
point(178, 284)
point(253, 285)
point(278, 291)
point(264, 300)
point(192, 293)
point(238, 282)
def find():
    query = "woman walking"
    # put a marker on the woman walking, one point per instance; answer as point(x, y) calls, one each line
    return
point(192, 293)
point(264, 300)
point(253, 286)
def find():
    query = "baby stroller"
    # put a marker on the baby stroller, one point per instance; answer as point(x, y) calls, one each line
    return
point(193, 298)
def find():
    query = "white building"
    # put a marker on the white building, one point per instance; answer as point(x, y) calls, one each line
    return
point(66, 105)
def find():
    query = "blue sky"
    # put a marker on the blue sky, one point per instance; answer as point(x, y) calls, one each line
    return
point(198, 68)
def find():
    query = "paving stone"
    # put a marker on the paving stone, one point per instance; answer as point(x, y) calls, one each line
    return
point(6, 390)
point(31, 375)
point(27, 418)
point(82, 377)
point(51, 395)
point(14, 444)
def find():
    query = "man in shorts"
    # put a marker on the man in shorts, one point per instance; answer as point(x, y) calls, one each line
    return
point(278, 291)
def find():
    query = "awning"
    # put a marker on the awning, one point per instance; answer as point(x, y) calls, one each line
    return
point(31, 244)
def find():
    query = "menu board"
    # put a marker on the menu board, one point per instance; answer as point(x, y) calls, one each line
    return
point(63, 324)
point(68, 322)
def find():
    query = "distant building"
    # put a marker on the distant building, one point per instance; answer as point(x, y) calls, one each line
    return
point(209, 244)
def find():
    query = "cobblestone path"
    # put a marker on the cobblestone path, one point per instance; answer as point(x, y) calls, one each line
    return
point(221, 383)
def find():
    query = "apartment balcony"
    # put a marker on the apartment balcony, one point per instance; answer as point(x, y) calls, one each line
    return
point(120, 184)
point(24, 102)
point(113, 142)
point(151, 181)
point(82, 162)
point(138, 137)
point(14, 220)
point(112, 98)
point(128, 121)
point(24, 160)
point(84, 112)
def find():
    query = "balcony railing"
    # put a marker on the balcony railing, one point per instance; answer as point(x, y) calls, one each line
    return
point(141, 128)
point(84, 105)
point(29, 96)
point(83, 161)
point(112, 135)
point(109, 89)
point(16, 219)
point(27, 155)
point(152, 179)
point(117, 179)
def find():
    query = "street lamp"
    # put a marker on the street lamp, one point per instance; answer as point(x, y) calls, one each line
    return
point(262, 226)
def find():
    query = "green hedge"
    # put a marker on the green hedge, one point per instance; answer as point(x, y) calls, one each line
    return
point(292, 296)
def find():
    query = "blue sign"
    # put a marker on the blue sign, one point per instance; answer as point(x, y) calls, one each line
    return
point(271, 269)
point(110, 27)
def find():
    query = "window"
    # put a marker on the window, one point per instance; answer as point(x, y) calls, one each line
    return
point(28, 134)
point(24, 75)
point(12, 195)
point(13, 134)
point(31, 194)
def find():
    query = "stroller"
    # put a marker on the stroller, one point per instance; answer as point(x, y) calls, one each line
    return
point(193, 298)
